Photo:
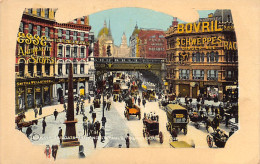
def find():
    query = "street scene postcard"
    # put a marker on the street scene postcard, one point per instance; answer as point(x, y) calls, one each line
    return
point(125, 78)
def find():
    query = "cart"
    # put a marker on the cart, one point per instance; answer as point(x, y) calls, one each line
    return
point(197, 119)
point(131, 109)
point(218, 137)
point(151, 129)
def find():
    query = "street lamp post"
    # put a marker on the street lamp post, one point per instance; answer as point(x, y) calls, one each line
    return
point(103, 111)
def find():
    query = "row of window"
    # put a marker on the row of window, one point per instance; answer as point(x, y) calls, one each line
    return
point(69, 33)
point(38, 12)
point(198, 74)
point(38, 29)
point(75, 68)
point(71, 52)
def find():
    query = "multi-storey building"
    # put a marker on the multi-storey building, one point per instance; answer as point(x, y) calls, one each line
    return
point(35, 59)
point(72, 46)
point(148, 43)
point(202, 57)
point(43, 53)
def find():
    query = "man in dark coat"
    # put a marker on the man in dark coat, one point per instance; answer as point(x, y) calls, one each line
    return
point(108, 105)
point(43, 125)
point(35, 112)
point(54, 151)
point(89, 128)
point(77, 110)
point(127, 141)
point(207, 109)
point(85, 127)
point(28, 131)
point(139, 101)
point(93, 117)
point(102, 132)
point(64, 105)
point(55, 113)
point(144, 102)
point(40, 111)
point(91, 109)
point(60, 135)
point(95, 138)
point(97, 127)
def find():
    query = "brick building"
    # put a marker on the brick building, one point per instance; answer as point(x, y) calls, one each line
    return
point(202, 57)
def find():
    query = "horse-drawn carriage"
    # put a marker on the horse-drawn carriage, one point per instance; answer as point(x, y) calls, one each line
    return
point(162, 104)
point(134, 90)
point(177, 117)
point(151, 128)
point(197, 119)
point(19, 120)
point(218, 137)
point(131, 109)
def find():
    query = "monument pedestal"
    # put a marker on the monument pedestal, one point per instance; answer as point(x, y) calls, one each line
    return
point(70, 139)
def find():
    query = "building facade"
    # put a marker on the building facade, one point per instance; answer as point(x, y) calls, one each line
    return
point(35, 59)
point(134, 43)
point(202, 57)
point(123, 50)
point(43, 51)
point(105, 39)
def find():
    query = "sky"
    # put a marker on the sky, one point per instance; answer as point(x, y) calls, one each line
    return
point(124, 20)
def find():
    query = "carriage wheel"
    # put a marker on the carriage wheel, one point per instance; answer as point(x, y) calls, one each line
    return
point(185, 130)
point(209, 141)
point(35, 137)
point(197, 125)
point(161, 137)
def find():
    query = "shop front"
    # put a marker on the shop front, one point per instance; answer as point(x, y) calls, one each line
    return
point(33, 93)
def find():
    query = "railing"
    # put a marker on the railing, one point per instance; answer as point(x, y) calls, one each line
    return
point(127, 60)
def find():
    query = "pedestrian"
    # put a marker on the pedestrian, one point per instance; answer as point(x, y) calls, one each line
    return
point(198, 106)
point(93, 117)
point(91, 109)
point(85, 127)
point(108, 105)
point(82, 108)
point(227, 119)
point(212, 109)
point(127, 141)
point(97, 127)
point(40, 111)
point(144, 102)
point(77, 110)
point(104, 104)
point(135, 99)
point(216, 111)
point(198, 99)
point(89, 98)
point(139, 101)
point(65, 107)
point(95, 138)
point(47, 151)
point(102, 132)
point(35, 112)
point(207, 109)
point(84, 117)
point(104, 120)
point(55, 113)
point(54, 151)
point(43, 125)
point(28, 131)
point(89, 126)
point(190, 100)
point(60, 135)
point(231, 132)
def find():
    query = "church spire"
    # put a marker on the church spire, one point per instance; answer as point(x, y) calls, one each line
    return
point(109, 30)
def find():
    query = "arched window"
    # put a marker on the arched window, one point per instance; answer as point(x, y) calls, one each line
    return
point(198, 57)
point(216, 57)
point(60, 51)
point(31, 67)
point(193, 57)
point(212, 55)
point(21, 68)
point(39, 69)
point(202, 57)
point(75, 52)
point(67, 68)
point(47, 49)
point(82, 52)
point(67, 51)
point(82, 68)
point(75, 67)
point(208, 57)
point(60, 69)
point(47, 68)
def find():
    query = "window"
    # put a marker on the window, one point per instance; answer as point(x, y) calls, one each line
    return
point(193, 57)
point(47, 50)
point(46, 13)
point(31, 68)
point(21, 68)
point(67, 51)
point(75, 52)
point(39, 30)
point(75, 34)
point(82, 36)
point(60, 33)
point(38, 12)
point(216, 57)
point(30, 11)
point(197, 57)
point(30, 29)
point(67, 34)
point(212, 56)
point(81, 68)
point(39, 69)
point(212, 75)
point(75, 68)
point(60, 69)
point(47, 69)
point(208, 57)
point(198, 74)
point(60, 54)
point(82, 52)
point(202, 57)
point(184, 74)
point(21, 27)
point(47, 32)
point(67, 68)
